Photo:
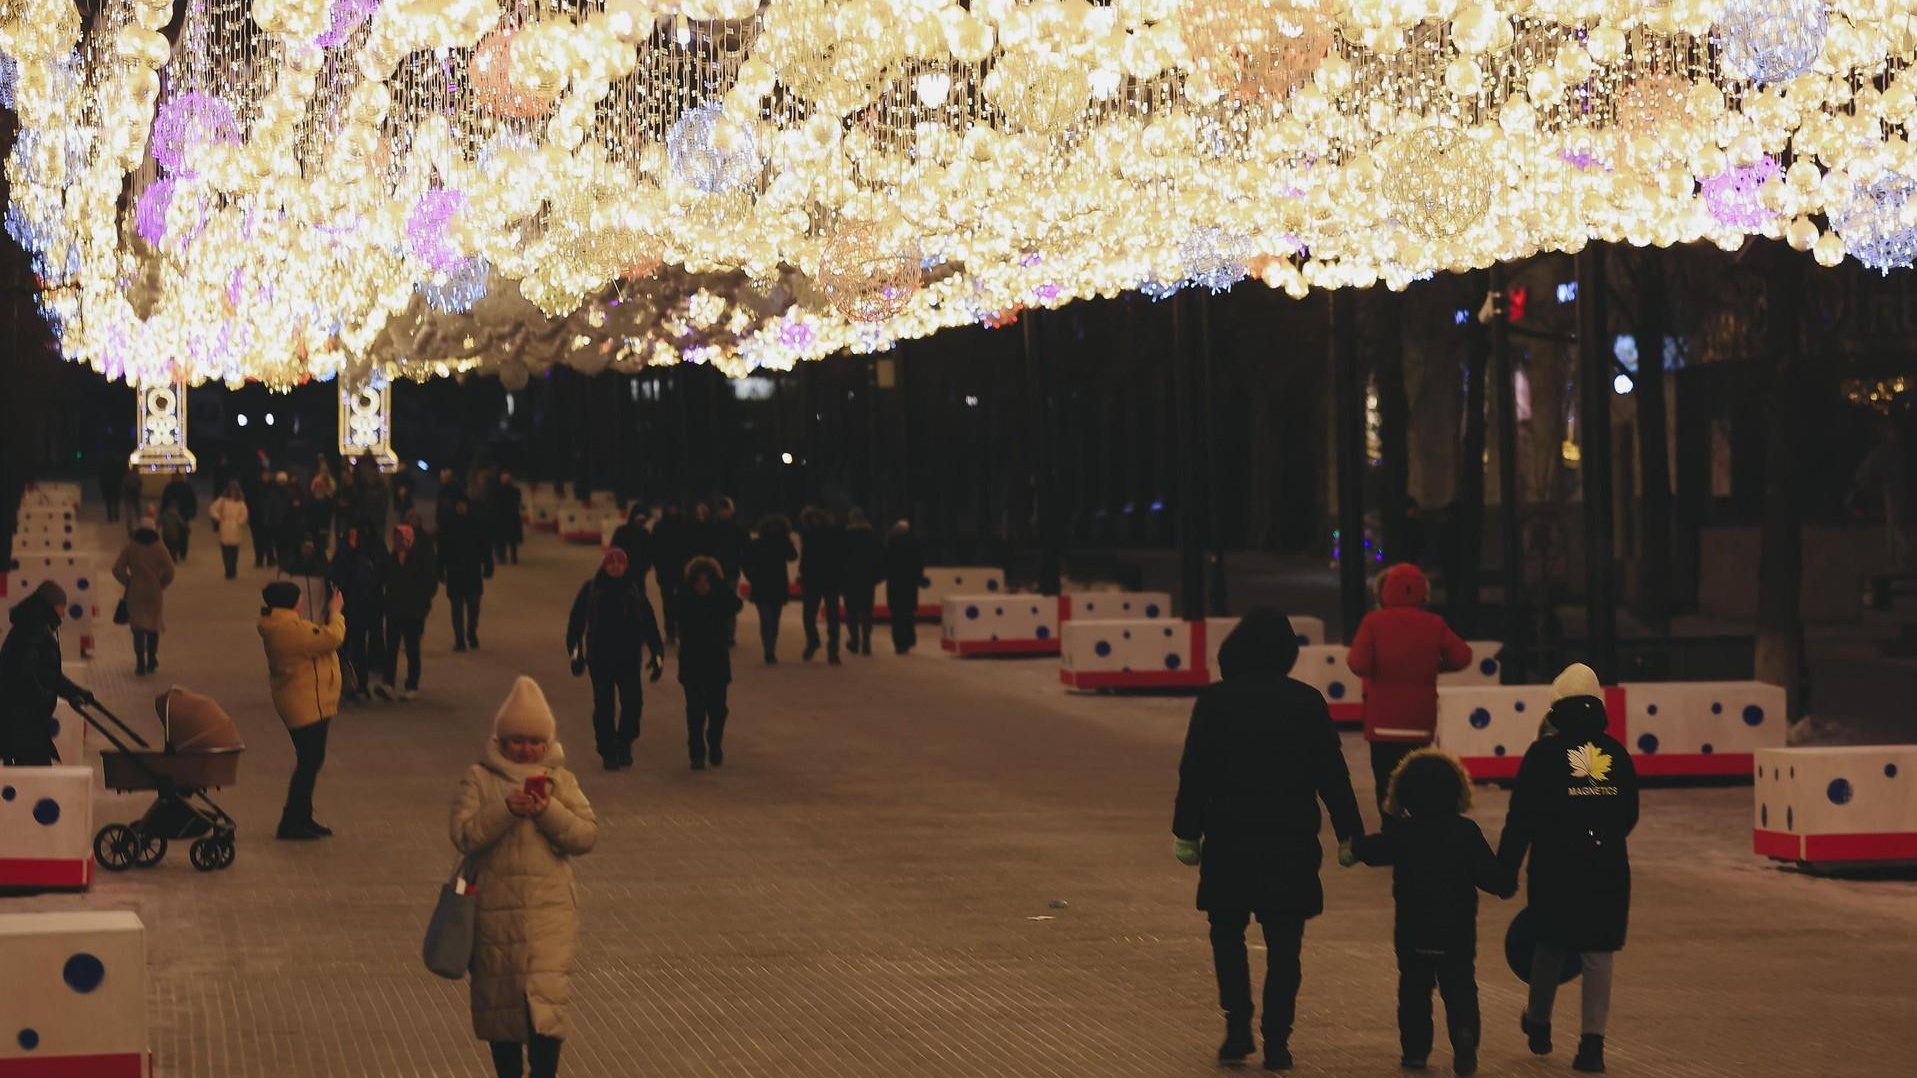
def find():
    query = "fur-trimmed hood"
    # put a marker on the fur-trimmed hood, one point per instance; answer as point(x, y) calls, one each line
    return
point(1393, 806)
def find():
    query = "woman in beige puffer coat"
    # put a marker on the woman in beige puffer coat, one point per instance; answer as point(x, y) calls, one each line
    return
point(145, 569)
point(520, 844)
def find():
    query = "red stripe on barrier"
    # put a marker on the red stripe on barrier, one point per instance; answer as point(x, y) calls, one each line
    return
point(1693, 764)
point(1890, 847)
point(1200, 649)
point(46, 872)
point(580, 537)
point(1134, 679)
point(1614, 711)
point(1348, 714)
point(120, 1065)
point(1001, 647)
point(1491, 767)
point(1778, 844)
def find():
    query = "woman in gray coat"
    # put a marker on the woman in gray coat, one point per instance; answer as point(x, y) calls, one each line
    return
point(520, 818)
point(145, 569)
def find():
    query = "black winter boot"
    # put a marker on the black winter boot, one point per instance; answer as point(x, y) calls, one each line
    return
point(1238, 1045)
point(1539, 1034)
point(1590, 1057)
point(1277, 1056)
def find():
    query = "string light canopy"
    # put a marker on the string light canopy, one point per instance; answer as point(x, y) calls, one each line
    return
point(275, 193)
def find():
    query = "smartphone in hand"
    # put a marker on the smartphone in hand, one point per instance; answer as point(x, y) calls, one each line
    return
point(538, 786)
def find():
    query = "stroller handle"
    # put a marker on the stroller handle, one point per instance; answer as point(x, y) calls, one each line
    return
point(86, 711)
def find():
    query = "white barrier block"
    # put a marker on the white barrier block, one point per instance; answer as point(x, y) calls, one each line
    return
point(541, 508)
point(69, 729)
point(578, 524)
point(1836, 804)
point(1310, 630)
point(80, 575)
point(1702, 727)
point(1135, 654)
point(603, 499)
point(943, 580)
point(1489, 727)
point(1029, 624)
point(46, 827)
point(73, 1000)
point(51, 493)
point(1322, 666)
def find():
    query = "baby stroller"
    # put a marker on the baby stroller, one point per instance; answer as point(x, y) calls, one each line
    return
point(202, 751)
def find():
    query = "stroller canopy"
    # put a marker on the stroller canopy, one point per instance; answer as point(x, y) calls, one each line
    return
point(195, 723)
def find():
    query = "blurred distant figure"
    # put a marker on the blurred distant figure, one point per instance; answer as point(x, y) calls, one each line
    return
point(411, 582)
point(864, 564)
point(672, 542)
point(509, 526)
point(610, 632)
point(112, 476)
point(179, 496)
point(230, 519)
point(904, 574)
point(821, 579)
point(465, 564)
point(705, 659)
point(767, 566)
point(359, 573)
point(130, 496)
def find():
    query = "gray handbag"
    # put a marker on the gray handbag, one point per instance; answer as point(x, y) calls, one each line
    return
point(448, 950)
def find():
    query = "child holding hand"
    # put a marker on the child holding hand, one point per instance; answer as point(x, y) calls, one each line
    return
point(1440, 861)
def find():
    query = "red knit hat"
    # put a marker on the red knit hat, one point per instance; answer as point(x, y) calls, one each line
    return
point(615, 559)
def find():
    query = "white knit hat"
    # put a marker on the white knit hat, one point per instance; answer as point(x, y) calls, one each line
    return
point(1577, 680)
point(525, 714)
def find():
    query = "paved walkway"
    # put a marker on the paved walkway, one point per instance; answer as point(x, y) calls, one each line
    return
point(907, 866)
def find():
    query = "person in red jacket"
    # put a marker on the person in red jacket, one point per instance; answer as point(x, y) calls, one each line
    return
point(1399, 651)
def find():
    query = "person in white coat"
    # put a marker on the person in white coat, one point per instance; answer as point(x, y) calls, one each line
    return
point(230, 521)
point(520, 818)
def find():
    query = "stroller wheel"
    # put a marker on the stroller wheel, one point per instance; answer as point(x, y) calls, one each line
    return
point(148, 849)
point(205, 854)
point(226, 850)
point(116, 848)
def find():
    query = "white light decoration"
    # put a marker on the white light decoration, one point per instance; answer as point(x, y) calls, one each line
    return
point(305, 187)
point(1875, 227)
point(366, 424)
point(160, 425)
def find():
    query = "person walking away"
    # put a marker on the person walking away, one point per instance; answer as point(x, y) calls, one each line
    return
point(1260, 754)
point(375, 499)
point(611, 629)
point(112, 478)
point(230, 520)
point(132, 501)
point(864, 563)
point(173, 531)
point(705, 658)
point(821, 579)
point(31, 681)
point(318, 524)
point(179, 497)
point(359, 575)
point(519, 819)
point(411, 582)
point(292, 526)
point(634, 538)
point(1439, 862)
point(402, 488)
point(302, 659)
point(767, 565)
point(465, 564)
point(1399, 651)
point(346, 498)
point(145, 569)
point(509, 524)
point(450, 491)
point(904, 575)
point(268, 509)
point(672, 543)
point(1573, 806)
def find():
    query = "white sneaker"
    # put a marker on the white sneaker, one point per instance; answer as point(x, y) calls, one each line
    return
point(409, 694)
point(383, 690)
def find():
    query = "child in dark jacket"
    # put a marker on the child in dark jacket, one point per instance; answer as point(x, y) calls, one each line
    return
point(1440, 861)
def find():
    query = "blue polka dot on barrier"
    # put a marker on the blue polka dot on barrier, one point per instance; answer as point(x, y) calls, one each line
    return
point(8, 793)
point(1168, 633)
point(1652, 710)
point(1707, 750)
point(1336, 690)
point(1173, 662)
point(1497, 750)
point(1839, 792)
point(1518, 707)
point(1790, 818)
point(46, 812)
point(1304, 642)
point(82, 584)
point(1890, 771)
point(1128, 634)
point(1150, 611)
point(1103, 648)
point(1488, 667)
point(1717, 709)
point(1764, 815)
point(971, 612)
point(1331, 660)
point(29, 1039)
point(961, 580)
point(1044, 632)
point(75, 611)
point(1480, 718)
point(1753, 715)
point(991, 585)
point(1647, 744)
point(83, 973)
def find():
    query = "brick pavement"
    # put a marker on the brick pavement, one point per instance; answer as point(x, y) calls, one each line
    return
point(866, 888)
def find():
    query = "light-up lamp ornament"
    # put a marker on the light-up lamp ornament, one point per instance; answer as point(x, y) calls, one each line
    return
point(870, 272)
point(365, 422)
point(1872, 224)
point(160, 423)
point(1767, 41)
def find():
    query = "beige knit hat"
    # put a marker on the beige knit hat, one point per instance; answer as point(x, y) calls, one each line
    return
point(1577, 680)
point(525, 714)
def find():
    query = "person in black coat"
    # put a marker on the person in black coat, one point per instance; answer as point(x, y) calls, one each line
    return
point(864, 564)
point(904, 575)
point(821, 579)
point(31, 682)
point(450, 491)
point(178, 495)
point(1573, 806)
point(728, 539)
point(705, 658)
point(465, 564)
point(359, 573)
point(610, 630)
point(1439, 862)
point(767, 565)
point(1260, 754)
point(509, 526)
point(265, 508)
point(672, 546)
point(411, 582)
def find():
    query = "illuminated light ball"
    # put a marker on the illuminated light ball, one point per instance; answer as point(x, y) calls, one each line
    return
point(708, 153)
point(1436, 182)
point(1257, 49)
point(1215, 258)
point(1870, 224)
point(1044, 94)
point(346, 17)
point(1654, 106)
point(455, 291)
point(1735, 195)
point(1766, 41)
point(189, 123)
point(866, 276)
point(490, 74)
point(156, 202)
point(427, 226)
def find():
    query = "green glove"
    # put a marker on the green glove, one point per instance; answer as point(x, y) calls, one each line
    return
point(1186, 850)
point(1346, 857)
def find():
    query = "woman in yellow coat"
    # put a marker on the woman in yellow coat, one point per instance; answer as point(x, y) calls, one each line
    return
point(520, 817)
point(302, 658)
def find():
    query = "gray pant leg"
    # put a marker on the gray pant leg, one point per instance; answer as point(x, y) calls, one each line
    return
point(1597, 990)
point(1547, 966)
